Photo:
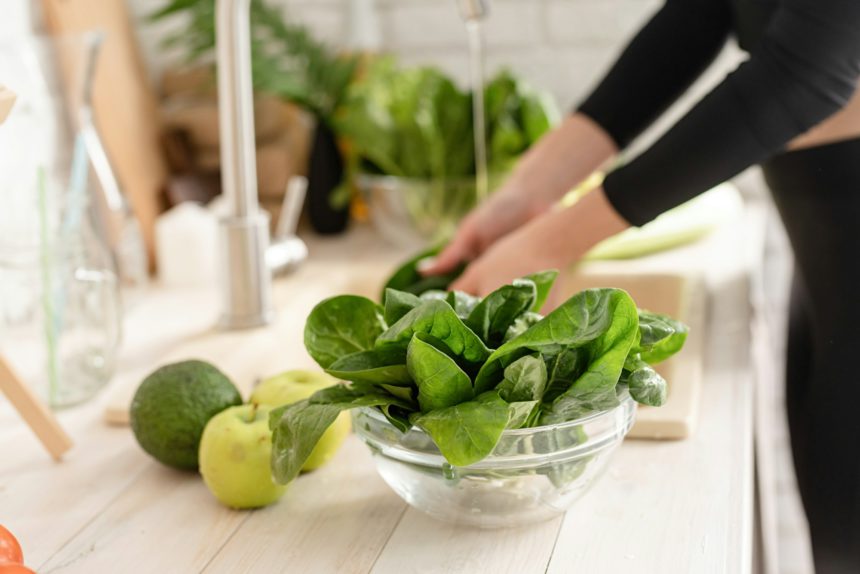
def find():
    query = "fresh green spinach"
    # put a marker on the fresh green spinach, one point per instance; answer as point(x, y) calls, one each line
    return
point(464, 369)
point(341, 326)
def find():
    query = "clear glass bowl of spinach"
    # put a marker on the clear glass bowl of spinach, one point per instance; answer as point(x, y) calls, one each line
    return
point(532, 475)
point(480, 410)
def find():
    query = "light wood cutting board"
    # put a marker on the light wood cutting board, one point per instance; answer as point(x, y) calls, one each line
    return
point(124, 103)
point(681, 297)
point(246, 356)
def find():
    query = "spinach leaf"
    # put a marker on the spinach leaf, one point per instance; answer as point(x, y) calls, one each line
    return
point(441, 383)
point(398, 303)
point(491, 318)
point(407, 277)
point(525, 380)
point(462, 303)
point(438, 319)
point(577, 402)
point(356, 395)
point(433, 295)
point(543, 281)
point(521, 325)
point(563, 369)
point(341, 326)
point(298, 427)
point(468, 432)
point(594, 389)
point(604, 319)
point(645, 384)
point(660, 337)
point(375, 366)
point(520, 412)
point(398, 417)
point(405, 392)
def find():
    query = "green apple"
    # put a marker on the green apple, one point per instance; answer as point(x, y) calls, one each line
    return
point(235, 457)
point(293, 386)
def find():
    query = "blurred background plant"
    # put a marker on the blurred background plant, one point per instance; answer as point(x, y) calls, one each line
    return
point(287, 60)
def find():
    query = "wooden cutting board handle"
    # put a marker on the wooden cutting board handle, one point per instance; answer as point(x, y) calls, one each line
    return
point(34, 412)
point(124, 102)
point(7, 100)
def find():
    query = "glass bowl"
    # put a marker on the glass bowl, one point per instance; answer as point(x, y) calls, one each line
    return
point(532, 475)
point(417, 211)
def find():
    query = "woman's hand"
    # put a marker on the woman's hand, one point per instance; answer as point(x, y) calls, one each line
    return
point(506, 210)
point(559, 161)
point(554, 240)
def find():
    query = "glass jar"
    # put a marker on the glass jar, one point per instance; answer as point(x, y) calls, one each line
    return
point(59, 298)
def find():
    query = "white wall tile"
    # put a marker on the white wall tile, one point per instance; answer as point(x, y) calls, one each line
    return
point(434, 24)
point(605, 22)
point(563, 46)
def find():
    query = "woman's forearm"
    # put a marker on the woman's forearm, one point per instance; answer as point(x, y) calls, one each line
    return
point(562, 159)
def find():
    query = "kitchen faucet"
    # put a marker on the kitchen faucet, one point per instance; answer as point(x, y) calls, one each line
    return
point(246, 281)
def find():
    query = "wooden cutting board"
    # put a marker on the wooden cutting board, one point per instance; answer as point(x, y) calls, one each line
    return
point(682, 297)
point(124, 102)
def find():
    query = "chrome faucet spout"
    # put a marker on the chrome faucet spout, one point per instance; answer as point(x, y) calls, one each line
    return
point(246, 281)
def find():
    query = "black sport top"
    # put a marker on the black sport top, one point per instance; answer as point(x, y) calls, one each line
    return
point(804, 66)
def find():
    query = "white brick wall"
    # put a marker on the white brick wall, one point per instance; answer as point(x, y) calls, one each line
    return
point(560, 45)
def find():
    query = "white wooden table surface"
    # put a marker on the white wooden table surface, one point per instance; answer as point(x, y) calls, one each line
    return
point(662, 507)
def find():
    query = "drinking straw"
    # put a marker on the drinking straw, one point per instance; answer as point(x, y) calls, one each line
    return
point(47, 306)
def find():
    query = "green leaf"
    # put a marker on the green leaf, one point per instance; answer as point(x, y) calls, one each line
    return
point(441, 383)
point(399, 418)
point(594, 389)
point(525, 380)
point(646, 385)
point(434, 295)
point(356, 395)
point(462, 303)
point(577, 402)
point(605, 320)
point(341, 326)
point(297, 428)
point(438, 319)
point(407, 277)
point(543, 281)
point(375, 366)
point(468, 432)
point(563, 369)
point(397, 304)
point(521, 325)
point(492, 317)
point(660, 337)
point(520, 412)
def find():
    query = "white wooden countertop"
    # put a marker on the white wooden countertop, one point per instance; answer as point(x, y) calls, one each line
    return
point(663, 507)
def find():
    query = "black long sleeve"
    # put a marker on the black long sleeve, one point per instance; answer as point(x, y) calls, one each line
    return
point(805, 68)
point(664, 58)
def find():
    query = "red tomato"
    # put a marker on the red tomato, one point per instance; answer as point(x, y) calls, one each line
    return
point(10, 568)
point(10, 550)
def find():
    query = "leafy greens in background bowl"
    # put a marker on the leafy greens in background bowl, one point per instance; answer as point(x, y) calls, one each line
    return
point(411, 143)
point(416, 123)
point(464, 370)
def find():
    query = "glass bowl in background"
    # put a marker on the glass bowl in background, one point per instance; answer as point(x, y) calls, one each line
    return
point(532, 475)
point(414, 212)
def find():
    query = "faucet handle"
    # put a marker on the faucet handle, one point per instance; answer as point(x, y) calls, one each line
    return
point(473, 9)
point(291, 208)
point(287, 250)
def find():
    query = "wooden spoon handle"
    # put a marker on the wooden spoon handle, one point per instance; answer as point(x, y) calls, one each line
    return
point(34, 412)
